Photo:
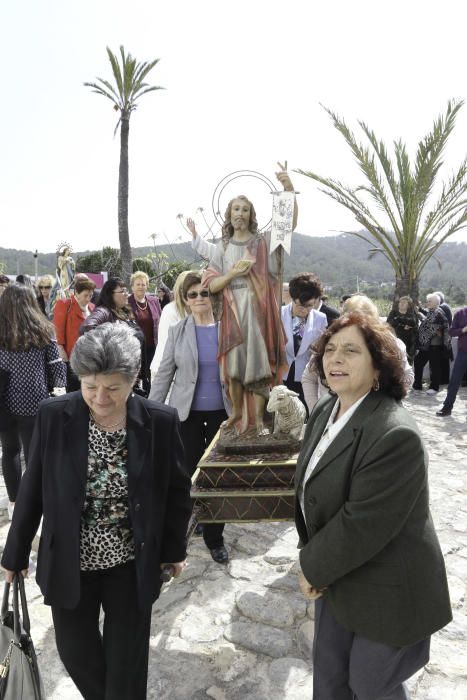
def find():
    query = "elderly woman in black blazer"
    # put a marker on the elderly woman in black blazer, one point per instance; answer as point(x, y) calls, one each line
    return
point(106, 473)
point(369, 552)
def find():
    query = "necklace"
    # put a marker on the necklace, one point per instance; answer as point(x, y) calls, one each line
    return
point(142, 306)
point(107, 427)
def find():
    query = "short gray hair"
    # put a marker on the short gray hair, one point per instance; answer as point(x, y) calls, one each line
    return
point(111, 348)
point(433, 297)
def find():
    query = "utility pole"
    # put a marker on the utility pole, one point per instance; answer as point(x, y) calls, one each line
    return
point(35, 266)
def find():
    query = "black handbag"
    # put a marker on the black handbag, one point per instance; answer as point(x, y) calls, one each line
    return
point(19, 673)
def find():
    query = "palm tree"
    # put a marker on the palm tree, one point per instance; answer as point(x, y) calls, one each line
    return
point(413, 226)
point(128, 88)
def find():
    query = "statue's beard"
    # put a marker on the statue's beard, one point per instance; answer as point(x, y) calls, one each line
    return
point(240, 225)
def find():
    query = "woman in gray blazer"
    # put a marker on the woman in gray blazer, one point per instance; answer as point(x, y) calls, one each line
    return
point(369, 554)
point(190, 372)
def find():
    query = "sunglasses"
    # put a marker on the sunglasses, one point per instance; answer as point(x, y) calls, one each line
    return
point(194, 295)
point(48, 287)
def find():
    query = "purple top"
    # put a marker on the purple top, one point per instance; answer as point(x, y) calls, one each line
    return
point(208, 390)
point(458, 323)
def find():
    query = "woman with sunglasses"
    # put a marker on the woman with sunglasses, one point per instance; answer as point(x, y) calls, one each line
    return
point(44, 285)
point(190, 362)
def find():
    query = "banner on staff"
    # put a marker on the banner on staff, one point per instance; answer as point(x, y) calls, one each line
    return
point(282, 219)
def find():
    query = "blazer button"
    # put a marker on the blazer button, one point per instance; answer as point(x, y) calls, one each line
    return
point(138, 506)
point(141, 545)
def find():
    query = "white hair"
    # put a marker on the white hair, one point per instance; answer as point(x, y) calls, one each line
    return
point(111, 348)
point(433, 297)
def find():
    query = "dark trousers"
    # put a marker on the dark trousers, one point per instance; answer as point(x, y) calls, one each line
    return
point(458, 370)
point(114, 665)
point(198, 430)
point(18, 432)
point(433, 356)
point(349, 667)
point(147, 375)
point(291, 384)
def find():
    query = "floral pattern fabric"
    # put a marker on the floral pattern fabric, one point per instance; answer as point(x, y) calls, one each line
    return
point(106, 533)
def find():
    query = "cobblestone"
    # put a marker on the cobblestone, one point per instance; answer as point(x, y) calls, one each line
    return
point(242, 632)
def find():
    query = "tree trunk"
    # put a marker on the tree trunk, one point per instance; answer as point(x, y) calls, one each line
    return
point(123, 231)
point(406, 286)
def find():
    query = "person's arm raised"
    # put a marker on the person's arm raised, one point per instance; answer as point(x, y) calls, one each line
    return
point(284, 178)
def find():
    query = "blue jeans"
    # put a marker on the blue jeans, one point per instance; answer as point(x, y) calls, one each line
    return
point(458, 370)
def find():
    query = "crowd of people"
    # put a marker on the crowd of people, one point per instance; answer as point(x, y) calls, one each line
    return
point(113, 401)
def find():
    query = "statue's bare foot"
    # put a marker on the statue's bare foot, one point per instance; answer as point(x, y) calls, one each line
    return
point(230, 422)
point(260, 429)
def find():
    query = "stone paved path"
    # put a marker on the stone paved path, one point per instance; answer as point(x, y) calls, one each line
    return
point(243, 632)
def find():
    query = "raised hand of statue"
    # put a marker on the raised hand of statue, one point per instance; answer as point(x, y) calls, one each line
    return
point(190, 224)
point(284, 177)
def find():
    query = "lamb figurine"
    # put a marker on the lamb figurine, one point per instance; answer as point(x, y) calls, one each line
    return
point(289, 411)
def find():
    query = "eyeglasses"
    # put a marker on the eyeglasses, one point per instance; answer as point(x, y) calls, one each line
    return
point(47, 287)
point(121, 291)
point(194, 295)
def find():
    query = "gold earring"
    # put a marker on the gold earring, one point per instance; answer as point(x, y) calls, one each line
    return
point(375, 386)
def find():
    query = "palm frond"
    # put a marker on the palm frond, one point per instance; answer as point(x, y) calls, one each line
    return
point(451, 192)
point(100, 91)
point(386, 165)
point(402, 192)
point(347, 198)
point(144, 68)
point(430, 150)
point(368, 167)
point(143, 92)
point(116, 72)
point(129, 85)
point(458, 225)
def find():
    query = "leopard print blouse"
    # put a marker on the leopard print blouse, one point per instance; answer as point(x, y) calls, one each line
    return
point(106, 533)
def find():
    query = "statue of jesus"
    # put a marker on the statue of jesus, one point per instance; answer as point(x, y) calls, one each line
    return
point(251, 338)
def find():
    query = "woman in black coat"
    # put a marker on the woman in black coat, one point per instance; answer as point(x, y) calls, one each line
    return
point(405, 323)
point(106, 473)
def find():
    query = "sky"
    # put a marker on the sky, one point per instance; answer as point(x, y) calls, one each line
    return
point(243, 87)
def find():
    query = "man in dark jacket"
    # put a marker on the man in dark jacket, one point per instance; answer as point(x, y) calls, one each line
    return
point(457, 330)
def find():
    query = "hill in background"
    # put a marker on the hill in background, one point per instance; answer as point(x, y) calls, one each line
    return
point(337, 260)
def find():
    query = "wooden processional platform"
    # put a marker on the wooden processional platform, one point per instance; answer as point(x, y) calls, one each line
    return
point(230, 488)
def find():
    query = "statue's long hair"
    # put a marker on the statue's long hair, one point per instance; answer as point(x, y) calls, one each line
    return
point(228, 230)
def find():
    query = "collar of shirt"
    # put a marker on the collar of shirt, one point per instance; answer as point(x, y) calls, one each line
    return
point(333, 426)
point(330, 432)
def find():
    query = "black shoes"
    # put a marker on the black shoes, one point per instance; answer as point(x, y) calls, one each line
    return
point(444, 412)
point(220, 555)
